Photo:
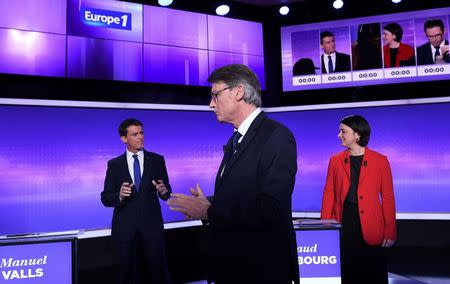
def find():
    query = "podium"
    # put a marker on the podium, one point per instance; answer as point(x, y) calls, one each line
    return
point(318, 250)
point(38, 259)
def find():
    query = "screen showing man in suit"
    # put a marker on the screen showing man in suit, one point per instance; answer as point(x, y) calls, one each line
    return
point(252, 239)
point(133, 182)
point(332, 61)
point(436, 50)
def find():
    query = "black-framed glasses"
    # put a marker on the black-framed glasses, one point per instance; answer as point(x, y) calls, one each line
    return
point(435, 36)
point(216, 94)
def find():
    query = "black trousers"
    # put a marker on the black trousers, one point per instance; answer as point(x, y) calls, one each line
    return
point(361, 263)
point(141, 261)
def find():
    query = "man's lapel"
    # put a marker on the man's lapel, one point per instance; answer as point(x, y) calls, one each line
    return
point(246, 141)
point(125, 168)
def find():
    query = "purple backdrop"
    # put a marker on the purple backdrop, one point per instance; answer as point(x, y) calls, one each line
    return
point(256, 63)
point(173, 27)
point(175, 65)
point(232, 35)
point(54, 168)
point(43, 15)
point(104, 59)
point(32, 53)
point(75, 25)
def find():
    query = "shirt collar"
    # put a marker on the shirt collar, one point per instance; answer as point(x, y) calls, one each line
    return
point(245, 125)
point(140, 154)
point(440, 45)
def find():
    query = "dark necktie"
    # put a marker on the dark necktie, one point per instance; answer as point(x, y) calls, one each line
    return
point(235, 146)
point(235, 139)
point(137, 172)
point(330, 64)
point(436, 53)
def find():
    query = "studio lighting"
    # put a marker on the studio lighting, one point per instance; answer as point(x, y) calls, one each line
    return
point(337, 4)
point(222, 10)
point(284, 10)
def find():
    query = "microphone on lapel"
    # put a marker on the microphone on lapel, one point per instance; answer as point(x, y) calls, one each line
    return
point(365, 163)
point(345, 161)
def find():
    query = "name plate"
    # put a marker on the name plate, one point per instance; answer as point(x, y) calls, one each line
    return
point(36, 263)
point(319, 258)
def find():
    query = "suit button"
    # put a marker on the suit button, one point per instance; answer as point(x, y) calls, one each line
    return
point(362, 211)
point(360, 197)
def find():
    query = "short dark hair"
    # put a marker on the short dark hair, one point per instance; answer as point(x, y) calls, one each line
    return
point(235, 74)
point(433, 23)
point(360, 125)
point(127, 123)
point(325, 34)
point(396, 30)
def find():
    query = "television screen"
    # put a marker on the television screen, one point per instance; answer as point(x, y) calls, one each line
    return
point(384, 49)
point(117, 40)
point(53, 167)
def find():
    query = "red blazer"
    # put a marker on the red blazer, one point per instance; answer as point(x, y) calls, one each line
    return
point(405, 56)
point(375, 181)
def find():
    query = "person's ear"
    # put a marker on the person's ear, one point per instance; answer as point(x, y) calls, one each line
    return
point(240, 92)
point(124, 139)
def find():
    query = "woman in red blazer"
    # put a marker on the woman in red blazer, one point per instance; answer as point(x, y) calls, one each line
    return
point(396, 53)
point(359, 194)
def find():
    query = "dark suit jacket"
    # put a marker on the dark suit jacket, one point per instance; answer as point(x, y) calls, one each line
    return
point(141, 211)
point(342, 63)
point(375, 180)
point(250, 219)
point(425, 56)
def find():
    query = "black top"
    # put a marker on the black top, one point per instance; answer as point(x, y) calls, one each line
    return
point(355, 169)
point(394, 52)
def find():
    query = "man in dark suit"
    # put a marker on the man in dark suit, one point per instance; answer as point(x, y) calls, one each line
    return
point(436, 50)
point(332, 61)
point(133, 182)
point(252, 239)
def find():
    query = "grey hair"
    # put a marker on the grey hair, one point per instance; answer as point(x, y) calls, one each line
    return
point(239, 74)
